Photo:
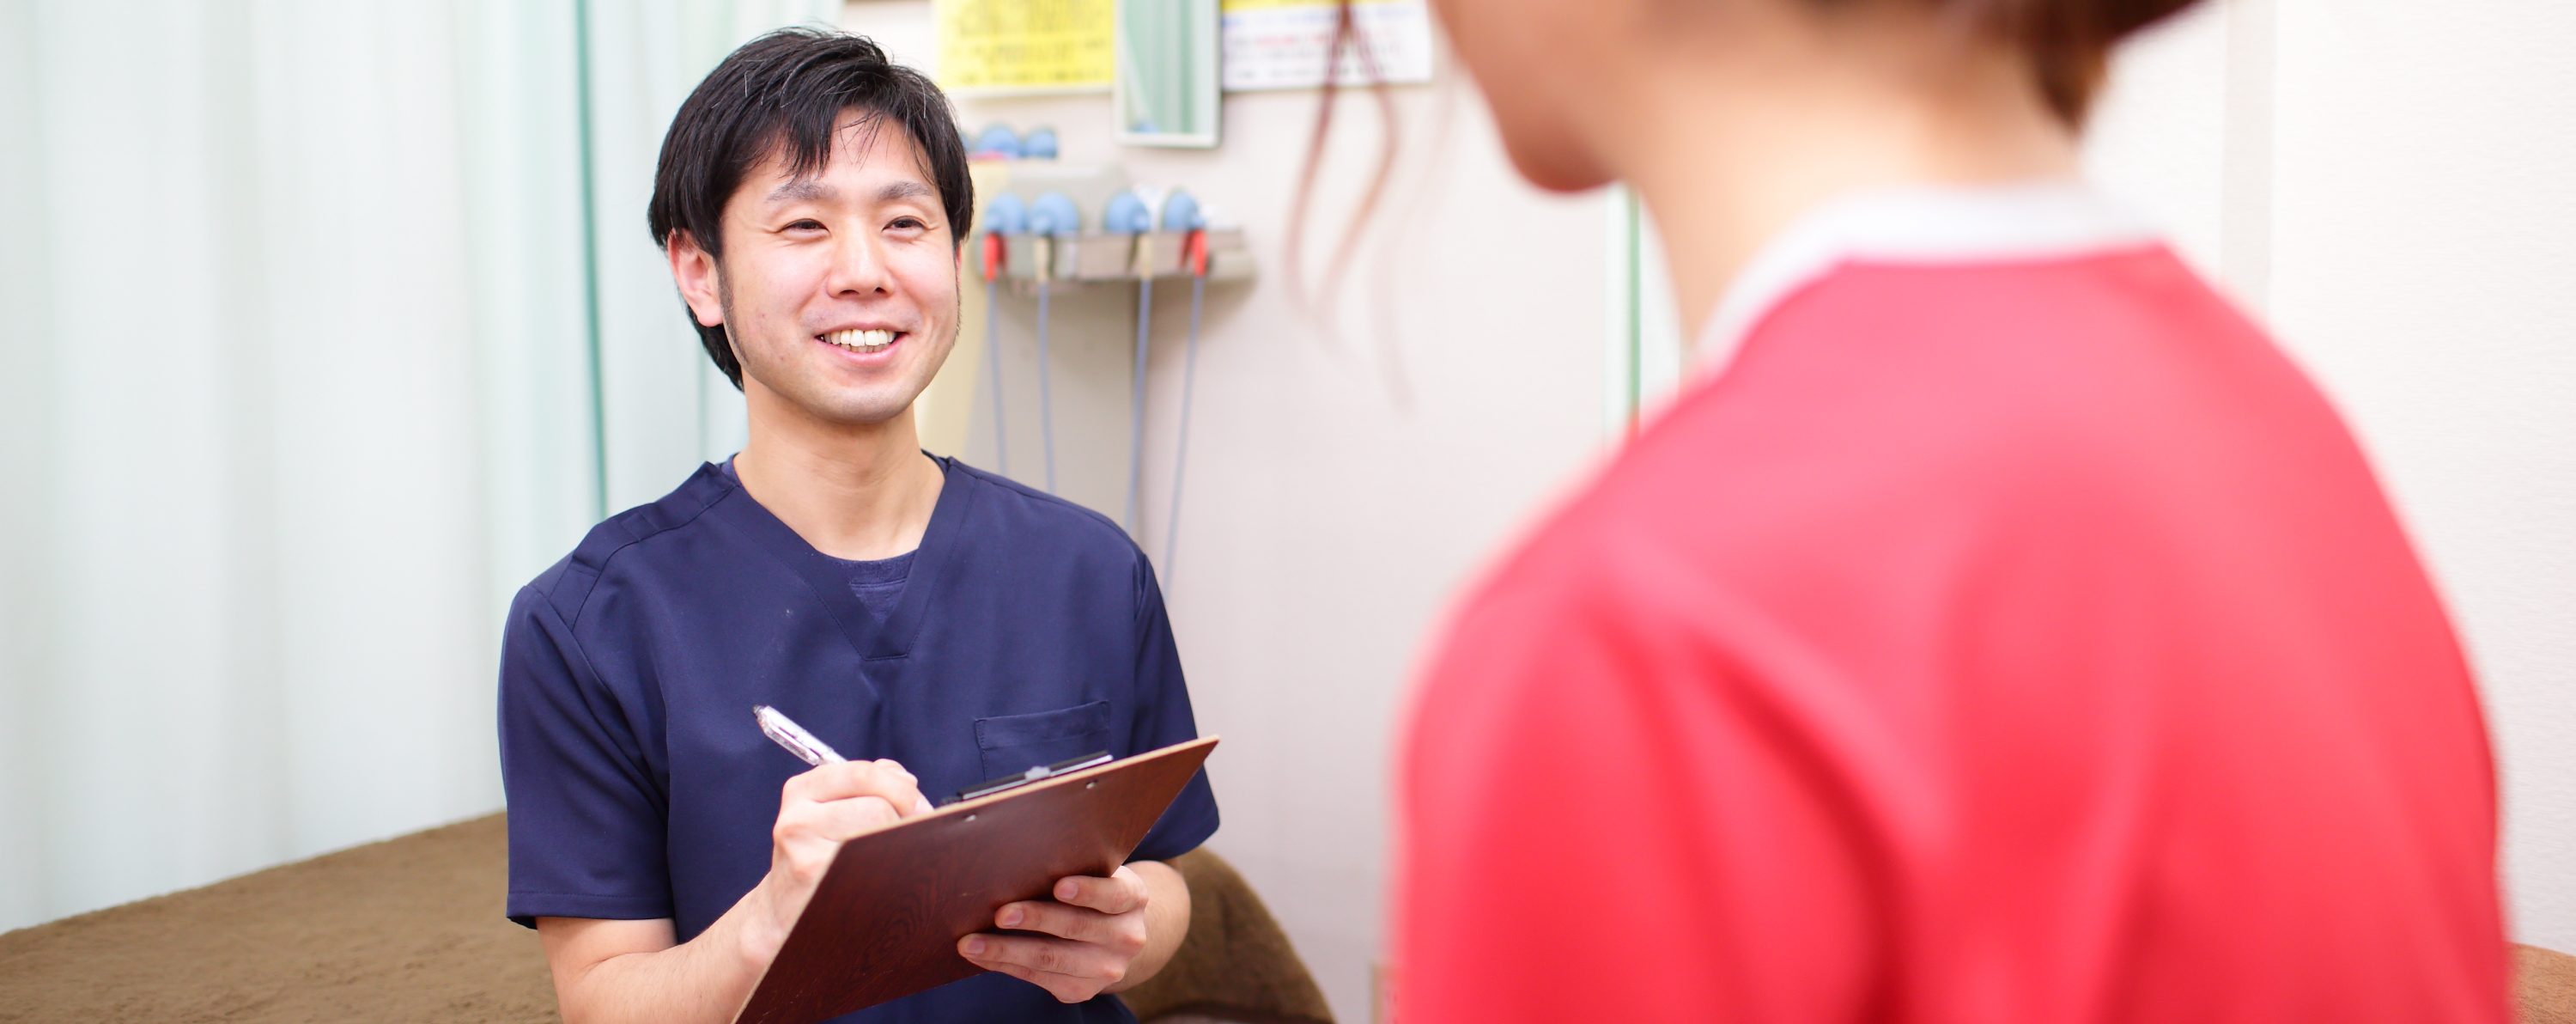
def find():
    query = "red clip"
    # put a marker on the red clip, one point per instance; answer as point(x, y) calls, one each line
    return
point(1198, 252)
point(992, 256)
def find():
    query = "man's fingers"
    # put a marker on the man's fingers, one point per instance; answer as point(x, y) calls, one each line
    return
point(1121, 935)
point(1084, 969)
point(1120, 893)
point(849, 780)
point(837, 820)
point(1064, 989)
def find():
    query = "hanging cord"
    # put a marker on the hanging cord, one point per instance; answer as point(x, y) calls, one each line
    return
point(1131, 213)
point(1046, 399)
point(1136, 394)
point(993, 260)
point(1189, 376)
point(1052, 216)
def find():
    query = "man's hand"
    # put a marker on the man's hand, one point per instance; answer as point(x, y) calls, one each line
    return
point(1092, 935)
point(817, 811)
point(612, 970)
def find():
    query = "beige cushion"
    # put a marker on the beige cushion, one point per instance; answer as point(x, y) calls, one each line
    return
point(404, 930)
point(2544, 982)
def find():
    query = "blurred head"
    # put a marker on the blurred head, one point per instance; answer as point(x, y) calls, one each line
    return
point(1546, 65)
point(813, 200)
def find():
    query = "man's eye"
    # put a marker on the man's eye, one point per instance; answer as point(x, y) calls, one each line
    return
point(806, 225)
point(908, 223)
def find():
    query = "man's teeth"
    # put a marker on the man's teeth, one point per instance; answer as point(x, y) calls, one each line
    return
point(861, 341)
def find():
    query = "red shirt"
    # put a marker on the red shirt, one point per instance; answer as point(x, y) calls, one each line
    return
point(2007, 640)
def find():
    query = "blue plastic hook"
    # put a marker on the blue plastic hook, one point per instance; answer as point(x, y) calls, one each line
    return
point(1182, 213)
point(1054, 213)
point(1000, 142)
point(1127, 215)
point(1006, 214)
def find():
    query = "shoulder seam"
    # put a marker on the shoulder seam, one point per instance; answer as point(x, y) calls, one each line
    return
point(1091, 514)
point(593, 571)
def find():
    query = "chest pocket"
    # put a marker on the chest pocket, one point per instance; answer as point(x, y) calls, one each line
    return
point(1012, 744)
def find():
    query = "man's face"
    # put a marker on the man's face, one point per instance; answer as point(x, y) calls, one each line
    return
point(839, 289)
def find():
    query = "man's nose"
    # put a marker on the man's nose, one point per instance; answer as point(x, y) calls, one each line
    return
point(858, 266)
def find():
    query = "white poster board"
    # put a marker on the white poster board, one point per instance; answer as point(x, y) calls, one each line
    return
point(1283, 44)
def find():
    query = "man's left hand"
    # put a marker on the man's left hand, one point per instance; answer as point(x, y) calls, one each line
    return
point(1089, 934)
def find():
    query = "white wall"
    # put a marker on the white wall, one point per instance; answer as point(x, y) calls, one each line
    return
point(2423, 248)
point(2388, 182)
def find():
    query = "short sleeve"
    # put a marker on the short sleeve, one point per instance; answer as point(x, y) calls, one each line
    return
point(1163, 718)
point(1598, 824)
point(586, 816)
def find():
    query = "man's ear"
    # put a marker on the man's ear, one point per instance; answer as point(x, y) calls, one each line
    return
point(696, 274)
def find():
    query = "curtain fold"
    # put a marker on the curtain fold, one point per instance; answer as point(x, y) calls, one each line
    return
point(320, 309)
point(664, 408)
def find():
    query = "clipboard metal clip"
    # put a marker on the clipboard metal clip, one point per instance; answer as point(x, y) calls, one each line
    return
point(1035, 773)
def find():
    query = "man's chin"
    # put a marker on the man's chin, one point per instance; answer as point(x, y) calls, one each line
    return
point(855, 411)
point(860, 414)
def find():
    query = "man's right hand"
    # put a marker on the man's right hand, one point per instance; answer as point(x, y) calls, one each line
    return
point(631, 969)
point(817, 811)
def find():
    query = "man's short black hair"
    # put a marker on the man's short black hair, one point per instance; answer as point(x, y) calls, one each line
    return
point(784, 92)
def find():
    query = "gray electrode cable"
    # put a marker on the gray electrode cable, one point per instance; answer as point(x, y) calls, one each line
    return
point(1182, 213)
point(1052, 216)
point(1189, 377)
point(1131, 213)
point(1004, 215)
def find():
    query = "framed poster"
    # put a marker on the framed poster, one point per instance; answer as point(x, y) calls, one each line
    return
point(1284, 44)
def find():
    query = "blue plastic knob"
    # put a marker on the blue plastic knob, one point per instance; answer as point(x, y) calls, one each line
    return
point(1000, 141)
point(1127, 215)
point(1039, 144)
point(1006, 214)
point(1055, 214)
point(1182, 213)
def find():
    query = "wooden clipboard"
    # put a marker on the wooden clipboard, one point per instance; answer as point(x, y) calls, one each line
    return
point(885, 920)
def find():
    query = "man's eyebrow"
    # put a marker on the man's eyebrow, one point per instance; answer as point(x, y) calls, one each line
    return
point(809, 189)
point(801, 189)
point(905, 189)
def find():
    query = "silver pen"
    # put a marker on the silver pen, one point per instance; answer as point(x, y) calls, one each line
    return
point(786, 733)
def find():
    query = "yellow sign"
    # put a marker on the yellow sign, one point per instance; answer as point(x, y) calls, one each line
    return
point(1027, 45)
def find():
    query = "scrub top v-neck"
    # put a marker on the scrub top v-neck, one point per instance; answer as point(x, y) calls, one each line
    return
point(1028, 630)
point(878, 582)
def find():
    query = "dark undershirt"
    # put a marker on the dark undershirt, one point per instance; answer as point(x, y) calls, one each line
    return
point(878, 583)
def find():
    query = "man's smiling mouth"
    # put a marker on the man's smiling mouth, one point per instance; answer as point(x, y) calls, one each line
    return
point(863, 342)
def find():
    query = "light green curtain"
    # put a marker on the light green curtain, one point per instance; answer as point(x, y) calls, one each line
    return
point(1645, 351)
point(664, 407)
point(319, 311)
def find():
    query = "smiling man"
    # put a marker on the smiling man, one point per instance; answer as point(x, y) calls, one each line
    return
point(938, 625)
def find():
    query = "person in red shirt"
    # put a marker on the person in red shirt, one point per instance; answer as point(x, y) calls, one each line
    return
point(1996, 628)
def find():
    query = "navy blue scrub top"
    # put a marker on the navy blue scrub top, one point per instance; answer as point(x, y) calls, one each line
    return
point(1028, 631)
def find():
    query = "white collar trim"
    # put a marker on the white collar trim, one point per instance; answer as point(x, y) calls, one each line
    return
point(2037, 220)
